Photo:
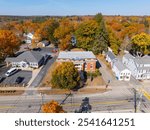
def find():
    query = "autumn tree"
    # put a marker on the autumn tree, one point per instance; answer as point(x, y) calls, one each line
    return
point(141, 43)
point(29, 26)
point(65, 76)
point(64, 33)
point(86, 34)
point(114, 42)
point(9, 43)
point(46, 30)
point(52, 107)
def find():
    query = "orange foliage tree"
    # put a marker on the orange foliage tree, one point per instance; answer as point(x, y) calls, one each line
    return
point(52, 107)
point(9, 43)
point(46, 30)
point(64, 33)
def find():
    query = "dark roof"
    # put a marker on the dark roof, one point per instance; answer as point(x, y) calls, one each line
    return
point(111, 55)
point(29, 56)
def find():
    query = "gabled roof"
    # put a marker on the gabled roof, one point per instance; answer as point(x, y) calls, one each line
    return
point(76, 55)
point(111, 55)
point(142, 61)
point(29, 56)
point(119, 65)
point(128, 56)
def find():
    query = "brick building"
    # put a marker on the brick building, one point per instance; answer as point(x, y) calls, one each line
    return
point(83, 60)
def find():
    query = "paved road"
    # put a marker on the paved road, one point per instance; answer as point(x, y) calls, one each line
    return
point(105, 73)
point(119, 100)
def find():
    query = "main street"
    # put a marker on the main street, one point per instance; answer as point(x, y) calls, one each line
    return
point(118, 100)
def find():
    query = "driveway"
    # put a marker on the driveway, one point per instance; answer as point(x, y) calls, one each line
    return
point(36, 82)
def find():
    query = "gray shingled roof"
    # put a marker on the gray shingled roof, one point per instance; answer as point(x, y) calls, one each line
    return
point(29, 56)
point(142, 60)
point(128, 56)
point(119, 65)
point(76, 55)
point(111, 55)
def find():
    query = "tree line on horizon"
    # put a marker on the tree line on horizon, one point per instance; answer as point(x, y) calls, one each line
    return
point(93, 33)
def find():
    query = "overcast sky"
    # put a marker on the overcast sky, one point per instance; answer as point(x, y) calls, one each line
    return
point(74, 7)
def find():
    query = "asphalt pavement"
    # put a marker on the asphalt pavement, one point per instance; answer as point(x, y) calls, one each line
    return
point(36, 82)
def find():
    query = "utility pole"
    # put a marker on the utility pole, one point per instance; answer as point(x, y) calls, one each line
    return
point(135, 102)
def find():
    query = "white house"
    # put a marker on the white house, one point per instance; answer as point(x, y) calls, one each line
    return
point(121, 72)
point(73, 40)
point(44, 43)
point(29, 37)
point(110, 57)
point(27, 60)
point(139, 66)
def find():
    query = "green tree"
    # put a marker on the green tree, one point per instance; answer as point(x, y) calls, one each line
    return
point(141, 43)
point(65, 76)
point(102, 39)
point(86, 34)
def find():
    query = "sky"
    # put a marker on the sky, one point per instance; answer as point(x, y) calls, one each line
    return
point(74, 7)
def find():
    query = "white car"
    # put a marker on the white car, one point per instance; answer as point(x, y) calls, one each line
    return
point(11, 72)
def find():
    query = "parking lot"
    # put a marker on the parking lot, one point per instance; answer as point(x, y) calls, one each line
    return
point(26, 76)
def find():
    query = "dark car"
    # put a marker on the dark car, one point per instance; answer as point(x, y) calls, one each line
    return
point(19, 80)
point(36, 49)
point(1, 79)
point(47, 57)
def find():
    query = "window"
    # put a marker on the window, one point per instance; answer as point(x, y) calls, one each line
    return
point(91, 66)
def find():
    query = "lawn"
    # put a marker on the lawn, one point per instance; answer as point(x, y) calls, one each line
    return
point(97, 81)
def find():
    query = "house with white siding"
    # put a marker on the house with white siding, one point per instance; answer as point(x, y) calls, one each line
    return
point(121, 72)
point(29, 37)
point(110, 57)
point(139, 66)
point(27, 60)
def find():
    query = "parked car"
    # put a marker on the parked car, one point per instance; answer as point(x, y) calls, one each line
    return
point(11, 72)
point(1, 79)
point(19, 80)
point(46, 58)
point(36, 49)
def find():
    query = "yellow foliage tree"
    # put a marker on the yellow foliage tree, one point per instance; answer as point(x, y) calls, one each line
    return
point(52, 107)
point(141, 42)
